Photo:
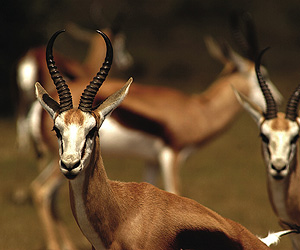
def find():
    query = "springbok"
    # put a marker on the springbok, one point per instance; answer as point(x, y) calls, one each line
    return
point(279, 134)
point(120, 215)
point(148, 125)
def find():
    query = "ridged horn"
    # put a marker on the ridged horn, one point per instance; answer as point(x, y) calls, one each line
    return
point(88, 95)
point(292, 106)
point(65, 98)
point(271, 111)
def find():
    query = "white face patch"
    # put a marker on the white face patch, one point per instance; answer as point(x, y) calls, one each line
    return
point(75, 131)
point(279, 146)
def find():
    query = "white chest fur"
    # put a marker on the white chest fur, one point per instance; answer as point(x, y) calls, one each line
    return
point(278, 195)
point(82, 218)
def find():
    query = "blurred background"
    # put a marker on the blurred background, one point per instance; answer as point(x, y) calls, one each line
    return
point(165, 39)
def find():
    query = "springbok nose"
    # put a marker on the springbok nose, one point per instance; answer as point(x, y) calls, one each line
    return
point(70, 165)
point(278, 168)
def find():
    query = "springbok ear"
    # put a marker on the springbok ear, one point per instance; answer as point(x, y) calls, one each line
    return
point(240, 62)
point(215, 50)
point(254, 110)
point(224, 53)
point(113, 101)
point(49, 104)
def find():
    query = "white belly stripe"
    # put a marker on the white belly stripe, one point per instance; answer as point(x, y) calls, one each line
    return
point(117, 140)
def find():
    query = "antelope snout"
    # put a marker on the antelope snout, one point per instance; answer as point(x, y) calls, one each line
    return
point(70, 167)
point(279, 168)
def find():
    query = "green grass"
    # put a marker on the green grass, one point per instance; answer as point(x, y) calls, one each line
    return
point(227, 175)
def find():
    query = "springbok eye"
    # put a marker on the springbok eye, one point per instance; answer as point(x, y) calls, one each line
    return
point(294, 140)
point(58, 134)
point(92, 132)
point(264, 138)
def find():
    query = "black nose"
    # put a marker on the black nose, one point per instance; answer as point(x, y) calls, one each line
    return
point(69, 166)
point(278, 169)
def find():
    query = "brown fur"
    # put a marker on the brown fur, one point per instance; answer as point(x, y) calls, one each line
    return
point(74, 116)
point(280, 123)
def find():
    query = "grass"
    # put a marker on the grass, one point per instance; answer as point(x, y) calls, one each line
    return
point(227, 175)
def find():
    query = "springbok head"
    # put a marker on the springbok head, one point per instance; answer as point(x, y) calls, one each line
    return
point(279, 131)
point(77, 128)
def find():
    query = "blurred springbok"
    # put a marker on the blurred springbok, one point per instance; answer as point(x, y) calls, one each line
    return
point(279, 134)
point(163, 125)
point(117, 215)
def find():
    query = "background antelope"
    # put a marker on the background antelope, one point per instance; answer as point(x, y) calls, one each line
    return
point(279, 134)
point(125, 215)
point(149, 126)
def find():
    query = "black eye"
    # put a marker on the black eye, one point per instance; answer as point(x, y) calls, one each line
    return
point(264, 138)
point(294, 140)
point(92, 132)
point(58, 134)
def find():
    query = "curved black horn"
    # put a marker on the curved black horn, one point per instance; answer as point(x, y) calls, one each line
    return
point(65, 98)
point(292, 106)
point(87, 97)
point(271, 111)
